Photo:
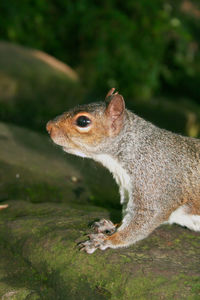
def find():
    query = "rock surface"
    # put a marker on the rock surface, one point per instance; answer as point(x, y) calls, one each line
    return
point(52, 199)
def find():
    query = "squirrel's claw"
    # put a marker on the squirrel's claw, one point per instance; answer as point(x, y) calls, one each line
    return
point(96, 241)
point(104, 226)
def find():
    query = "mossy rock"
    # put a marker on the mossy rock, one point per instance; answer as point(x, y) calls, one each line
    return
point(52, 199)
point(34, 86)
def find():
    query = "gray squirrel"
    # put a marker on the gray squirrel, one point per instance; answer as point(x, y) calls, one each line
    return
point(158, 172)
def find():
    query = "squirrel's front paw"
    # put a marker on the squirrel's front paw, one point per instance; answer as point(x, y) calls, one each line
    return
point(95, 241)
point(105, 226)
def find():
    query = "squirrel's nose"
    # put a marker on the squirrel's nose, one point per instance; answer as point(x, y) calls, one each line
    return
point(49, 126)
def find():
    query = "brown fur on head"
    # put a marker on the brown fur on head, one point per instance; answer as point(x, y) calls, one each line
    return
point(82, 129)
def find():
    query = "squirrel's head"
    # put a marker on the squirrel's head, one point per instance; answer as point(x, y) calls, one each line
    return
point(83, 130)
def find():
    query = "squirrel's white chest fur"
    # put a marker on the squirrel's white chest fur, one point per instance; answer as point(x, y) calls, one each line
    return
point(179, 216)
point(119, 174)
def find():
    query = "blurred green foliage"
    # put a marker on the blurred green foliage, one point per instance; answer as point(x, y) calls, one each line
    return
point(143, 48)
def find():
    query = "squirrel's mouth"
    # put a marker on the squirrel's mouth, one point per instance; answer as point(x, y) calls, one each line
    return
point(63, 140)
point(59, 140)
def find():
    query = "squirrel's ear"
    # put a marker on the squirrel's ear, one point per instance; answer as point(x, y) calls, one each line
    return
point(115, 112)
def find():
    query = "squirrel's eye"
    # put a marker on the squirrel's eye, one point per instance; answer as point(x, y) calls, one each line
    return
point(83, 121)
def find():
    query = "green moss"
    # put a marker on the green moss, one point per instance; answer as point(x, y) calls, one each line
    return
point(48, 260)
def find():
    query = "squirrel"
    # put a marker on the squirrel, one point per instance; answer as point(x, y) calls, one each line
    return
point(158, 172)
